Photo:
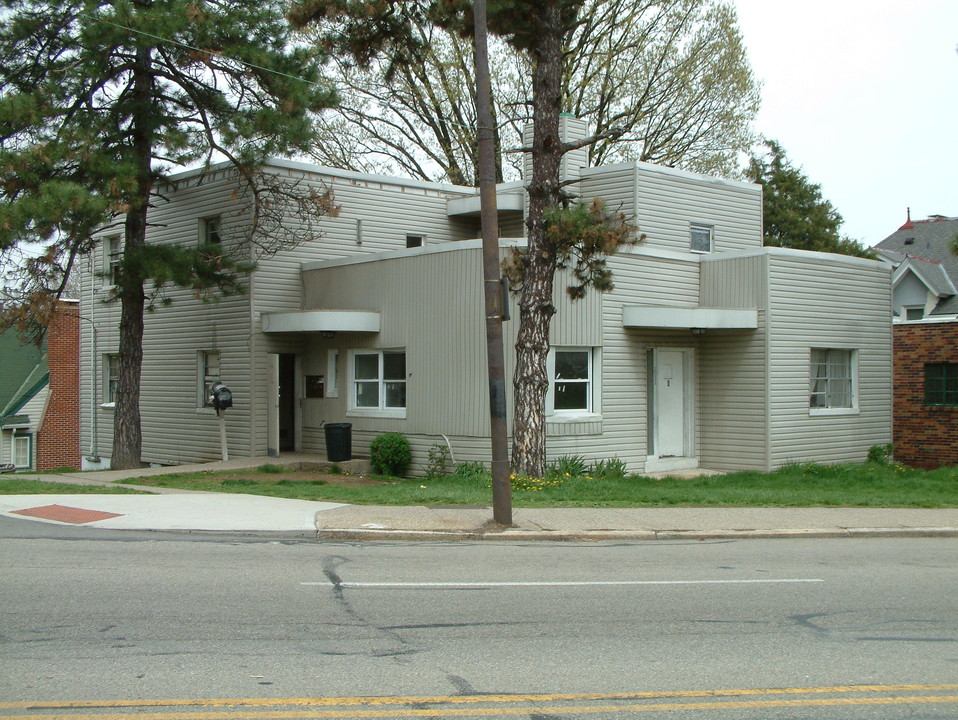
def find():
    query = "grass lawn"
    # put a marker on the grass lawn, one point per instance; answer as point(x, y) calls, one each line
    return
point(12, 485)
point(806, 485)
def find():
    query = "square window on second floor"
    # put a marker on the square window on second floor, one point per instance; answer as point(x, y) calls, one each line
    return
point(701, 238)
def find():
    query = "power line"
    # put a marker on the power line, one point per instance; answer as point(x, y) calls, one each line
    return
point(181, 44)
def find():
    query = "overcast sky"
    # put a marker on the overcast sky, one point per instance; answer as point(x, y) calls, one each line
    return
point(863, 96)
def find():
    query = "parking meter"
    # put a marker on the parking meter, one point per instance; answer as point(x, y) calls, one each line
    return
point(222, 396)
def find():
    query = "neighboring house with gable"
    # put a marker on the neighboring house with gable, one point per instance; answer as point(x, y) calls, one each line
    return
point(40, 396)
point(925, 340)
point(712, 350)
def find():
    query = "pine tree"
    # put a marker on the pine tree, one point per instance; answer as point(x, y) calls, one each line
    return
point(795, 213)
point(99, 100)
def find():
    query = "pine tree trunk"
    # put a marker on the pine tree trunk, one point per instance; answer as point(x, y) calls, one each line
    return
point(531, 380)
point(127, 432)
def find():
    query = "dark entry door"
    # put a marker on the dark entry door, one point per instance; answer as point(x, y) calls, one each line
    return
point(287, 402)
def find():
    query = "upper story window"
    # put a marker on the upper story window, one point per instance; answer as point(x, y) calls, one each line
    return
point(414, 241)
point(914, 312)
point(832, 379)
point(378, 382)
point(941, 384)
point(210, 231)
point(113, 254)
point(701, 238)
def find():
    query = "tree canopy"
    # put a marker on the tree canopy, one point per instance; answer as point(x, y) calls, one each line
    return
point(99, 100)
point(795, 213)
point(672, 77)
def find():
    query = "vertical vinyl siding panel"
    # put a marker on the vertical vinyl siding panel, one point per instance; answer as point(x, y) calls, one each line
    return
point(733, 411)
point(432, 306)
point(828, 302)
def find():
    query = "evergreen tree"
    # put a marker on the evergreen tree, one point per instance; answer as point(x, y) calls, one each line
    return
point(795, 213)
point(99, 100)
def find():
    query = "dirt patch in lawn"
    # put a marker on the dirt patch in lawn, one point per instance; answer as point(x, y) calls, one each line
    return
point(307, 477)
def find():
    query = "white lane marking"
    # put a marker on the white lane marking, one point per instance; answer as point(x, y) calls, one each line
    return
point(563, 583)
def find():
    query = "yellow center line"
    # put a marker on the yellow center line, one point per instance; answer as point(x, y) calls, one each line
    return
point(466, 699)
point(491, 711)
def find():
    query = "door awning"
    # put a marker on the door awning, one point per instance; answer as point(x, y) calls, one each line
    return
point(659, 316)
point(321, 321)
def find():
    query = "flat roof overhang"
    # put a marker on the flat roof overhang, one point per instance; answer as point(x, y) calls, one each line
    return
point(657, 316)
point(321, 321)
point(505, 203)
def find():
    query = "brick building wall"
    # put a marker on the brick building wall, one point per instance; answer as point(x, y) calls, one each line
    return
point(925, 436)
point(58, 438)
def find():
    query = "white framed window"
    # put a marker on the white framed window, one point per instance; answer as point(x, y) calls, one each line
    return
point(378, 382)
point(573, 384)
point(332, 373)
point(113, 254)
point(210, 231)
point(914, 312)
point(414, 241)
point(21, 451)
point(111, 370)
point(701, 238)
point(833, 376)
point(207, 373)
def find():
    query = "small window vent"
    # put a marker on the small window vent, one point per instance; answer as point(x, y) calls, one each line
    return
point(909, 241)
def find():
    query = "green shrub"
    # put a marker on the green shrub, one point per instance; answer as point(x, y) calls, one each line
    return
point(436, 464)
point(610, 469)
point(881, 453)
point(568, 465)
point(389, 454)
point(470, 470)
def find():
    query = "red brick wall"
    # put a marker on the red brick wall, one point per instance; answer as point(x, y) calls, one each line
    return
point(58, 439)
point(925, 436)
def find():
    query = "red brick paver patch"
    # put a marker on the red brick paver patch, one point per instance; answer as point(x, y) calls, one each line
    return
point(67, 514)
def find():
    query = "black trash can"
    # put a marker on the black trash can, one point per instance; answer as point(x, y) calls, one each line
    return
point(339, 441)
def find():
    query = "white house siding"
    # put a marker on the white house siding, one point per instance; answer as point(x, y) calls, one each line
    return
point(827, 301)
point(733, 407)
point(34, 409)
point(375, 215)
point(668, 201)
point(640, 279)
point(615, 185)
point(174, 429)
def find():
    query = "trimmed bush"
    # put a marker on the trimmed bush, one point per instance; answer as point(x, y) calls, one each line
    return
point(389, 454)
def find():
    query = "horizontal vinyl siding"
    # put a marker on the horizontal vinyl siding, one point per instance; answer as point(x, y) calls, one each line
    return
point(173, 430)
point(668, 201)
point(615, 186)
point(822, 302)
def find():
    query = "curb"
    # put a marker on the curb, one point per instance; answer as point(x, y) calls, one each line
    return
point(606, 535)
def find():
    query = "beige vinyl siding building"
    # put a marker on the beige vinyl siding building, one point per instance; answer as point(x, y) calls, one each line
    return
point(711, 351)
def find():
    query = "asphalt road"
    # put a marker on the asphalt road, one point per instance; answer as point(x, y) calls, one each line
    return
point(860, 628)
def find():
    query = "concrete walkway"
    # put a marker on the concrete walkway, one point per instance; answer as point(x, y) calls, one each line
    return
point(164, 509)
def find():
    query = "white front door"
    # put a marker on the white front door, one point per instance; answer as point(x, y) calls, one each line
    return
point(670, 410)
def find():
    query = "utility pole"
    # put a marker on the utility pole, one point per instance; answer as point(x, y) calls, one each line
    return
point(494, 295)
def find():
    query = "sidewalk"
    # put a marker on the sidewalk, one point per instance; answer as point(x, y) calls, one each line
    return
point(179, 510)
